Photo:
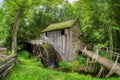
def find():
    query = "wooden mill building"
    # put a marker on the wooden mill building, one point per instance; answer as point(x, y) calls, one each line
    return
point(64, 37)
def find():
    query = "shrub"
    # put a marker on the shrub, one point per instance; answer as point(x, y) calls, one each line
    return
point(64, 65)
point(9, 52)
point(45, 46)
point(24, 54)
point(81, 59)
point(75, 65)
point(19, 48)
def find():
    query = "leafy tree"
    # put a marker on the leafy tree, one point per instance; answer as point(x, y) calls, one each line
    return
point(97, 20)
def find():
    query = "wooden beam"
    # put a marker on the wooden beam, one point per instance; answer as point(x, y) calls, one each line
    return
point(5, 73)
point(6, 65)
point(7, 59)
point(103, 61)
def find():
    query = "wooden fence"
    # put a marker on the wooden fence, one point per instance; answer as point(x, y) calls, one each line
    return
point(6, 65)
point(3, 50)
point(113, 66)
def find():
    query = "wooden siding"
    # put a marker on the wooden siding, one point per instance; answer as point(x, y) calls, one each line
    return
point(76, 32)
point(67, 45)
point(60, 42)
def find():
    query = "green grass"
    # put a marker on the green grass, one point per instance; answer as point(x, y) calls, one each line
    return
point(31, 69)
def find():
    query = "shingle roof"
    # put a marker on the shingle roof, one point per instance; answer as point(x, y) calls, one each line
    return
point(59, 26)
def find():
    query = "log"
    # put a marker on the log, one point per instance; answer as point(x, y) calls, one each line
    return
point(4, 66)
point(100, 72)
point(7, 59)
point(2, 76)
point(3, 50)
point(102, 60)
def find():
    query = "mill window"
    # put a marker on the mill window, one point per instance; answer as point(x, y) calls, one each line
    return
point(62, 32)
point(46, 33)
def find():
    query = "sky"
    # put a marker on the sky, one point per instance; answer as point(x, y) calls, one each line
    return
point(1, 1)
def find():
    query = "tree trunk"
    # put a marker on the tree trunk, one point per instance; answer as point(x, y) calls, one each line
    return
point(15, 30)
point(103, 61)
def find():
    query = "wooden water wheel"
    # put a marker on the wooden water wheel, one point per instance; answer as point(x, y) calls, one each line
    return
point(46, 55)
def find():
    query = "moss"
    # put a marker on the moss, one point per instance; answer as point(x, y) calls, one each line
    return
point(58, 26)
point(0, 60)
point(45, 46)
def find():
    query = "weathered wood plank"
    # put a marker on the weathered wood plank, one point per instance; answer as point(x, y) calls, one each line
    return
point(4, 66)
point(75, 40)
point(70, 44)
point(64, 41)
point(3, 50)
point(2, 75)
point(36, 42)
point(103, 61)
point(7, 59)
point(64, 44)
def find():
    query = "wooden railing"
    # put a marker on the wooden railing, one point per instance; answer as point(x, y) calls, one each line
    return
point(6, 65)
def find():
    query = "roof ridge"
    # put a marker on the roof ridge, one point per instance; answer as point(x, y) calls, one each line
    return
point(60, 25)
point(64, 21)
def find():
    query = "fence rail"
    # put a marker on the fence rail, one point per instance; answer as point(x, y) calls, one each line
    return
point(6, 65)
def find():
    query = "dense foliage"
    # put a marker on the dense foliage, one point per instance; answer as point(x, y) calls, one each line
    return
point(31, 69)
point(99, 19)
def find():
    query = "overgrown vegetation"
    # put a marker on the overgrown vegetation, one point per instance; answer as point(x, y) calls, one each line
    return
point(64, 66)
point(99, 21)
point(31, 69)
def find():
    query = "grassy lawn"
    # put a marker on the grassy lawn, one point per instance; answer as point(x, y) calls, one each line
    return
point(31, 69)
